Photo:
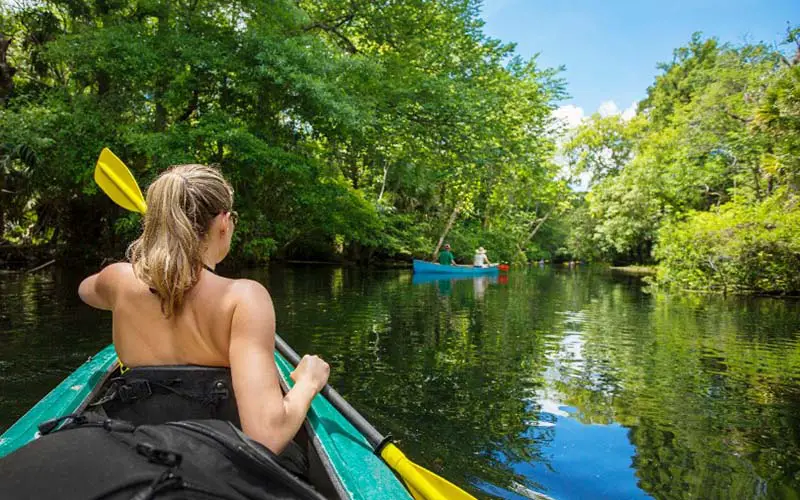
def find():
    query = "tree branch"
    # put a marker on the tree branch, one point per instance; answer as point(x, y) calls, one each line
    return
point(446, 230)
point(334, 30)
point(383, 184)
point(736, 117)
point(191, 107)
point(539, 224)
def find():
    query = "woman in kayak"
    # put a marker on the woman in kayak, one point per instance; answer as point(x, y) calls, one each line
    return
point(169, 308)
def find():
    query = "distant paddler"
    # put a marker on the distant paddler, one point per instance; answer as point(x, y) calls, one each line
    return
point(481, 259)
point(446, 257)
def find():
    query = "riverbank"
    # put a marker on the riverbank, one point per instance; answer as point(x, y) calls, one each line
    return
point(31, 258)
point(638, 270)
point(20, 258)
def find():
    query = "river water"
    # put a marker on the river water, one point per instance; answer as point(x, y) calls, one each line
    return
point(551, 382)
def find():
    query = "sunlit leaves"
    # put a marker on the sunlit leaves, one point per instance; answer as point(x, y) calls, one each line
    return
point(716, 136)
point(342, 125)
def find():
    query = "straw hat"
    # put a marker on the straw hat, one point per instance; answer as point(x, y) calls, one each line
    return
point(480, 250)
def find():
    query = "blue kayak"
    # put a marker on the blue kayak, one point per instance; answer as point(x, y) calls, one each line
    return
point(423, 267)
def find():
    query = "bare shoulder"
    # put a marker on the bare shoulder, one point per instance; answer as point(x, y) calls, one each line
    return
point(249, 292)
point(253, 314)
point(118, 270)
point(101, 289)
point(116, 275)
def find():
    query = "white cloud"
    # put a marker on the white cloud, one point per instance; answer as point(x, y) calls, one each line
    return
point(629, 112)
point(570, 115)
point(567, 119)
point(608, 108)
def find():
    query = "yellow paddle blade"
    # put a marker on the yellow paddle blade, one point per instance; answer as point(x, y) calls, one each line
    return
point(422, 483)
point(414, 493)
point(118, 183)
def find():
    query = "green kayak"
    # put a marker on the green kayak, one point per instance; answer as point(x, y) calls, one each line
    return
point(343, 465)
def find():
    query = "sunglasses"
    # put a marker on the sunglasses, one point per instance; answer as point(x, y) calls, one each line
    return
point(234, 217)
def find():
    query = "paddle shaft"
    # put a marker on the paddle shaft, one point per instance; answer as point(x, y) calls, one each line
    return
point(364, 427)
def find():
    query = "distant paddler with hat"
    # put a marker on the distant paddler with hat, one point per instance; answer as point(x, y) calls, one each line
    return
point(481, 260)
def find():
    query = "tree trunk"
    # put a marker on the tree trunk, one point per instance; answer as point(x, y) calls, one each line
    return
point(536, 229)
point(353, 171)
point(757, 181)
point(446, 230)
point(6, 71)
point(3, 204)
point(383, 184)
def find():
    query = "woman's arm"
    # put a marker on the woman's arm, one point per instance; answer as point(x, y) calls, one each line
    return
point(98, 289)
point(266, 414)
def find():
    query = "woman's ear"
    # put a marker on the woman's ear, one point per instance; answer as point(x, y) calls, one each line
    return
point(219, 224)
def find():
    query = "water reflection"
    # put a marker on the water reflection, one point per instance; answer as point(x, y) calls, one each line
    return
point(445, 283)
point(45, 332)
point(569, 383)
point(421, 279)
point(574, 384)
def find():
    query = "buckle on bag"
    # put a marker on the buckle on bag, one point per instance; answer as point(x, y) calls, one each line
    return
point(133, 390)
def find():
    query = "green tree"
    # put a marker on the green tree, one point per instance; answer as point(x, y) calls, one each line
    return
point(692, 177)
point(346, 130)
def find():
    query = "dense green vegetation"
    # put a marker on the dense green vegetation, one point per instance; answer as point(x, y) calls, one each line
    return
point(349, 129)
point(350, 133)
point(705, 179)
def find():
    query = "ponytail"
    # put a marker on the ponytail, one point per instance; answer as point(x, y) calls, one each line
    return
point(181, 205)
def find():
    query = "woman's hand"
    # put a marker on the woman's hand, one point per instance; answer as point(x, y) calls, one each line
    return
point(314, 370)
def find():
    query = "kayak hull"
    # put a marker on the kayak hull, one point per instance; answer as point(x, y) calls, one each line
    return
point(424, 267)
point(342, 454)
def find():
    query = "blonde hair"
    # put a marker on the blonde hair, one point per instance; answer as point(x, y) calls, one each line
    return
point(181, 204)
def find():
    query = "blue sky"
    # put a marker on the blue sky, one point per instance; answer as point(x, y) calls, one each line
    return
point(611, 48)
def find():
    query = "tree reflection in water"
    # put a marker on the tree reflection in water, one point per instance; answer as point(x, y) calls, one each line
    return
point(568, 383)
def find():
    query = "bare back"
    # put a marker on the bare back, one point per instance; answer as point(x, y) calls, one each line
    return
point(198, 334)
point(221, 322)
point(206, 320)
